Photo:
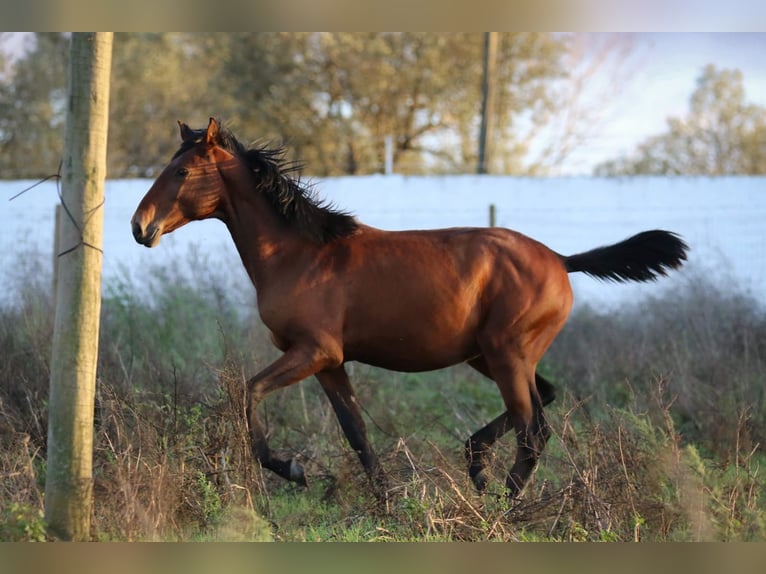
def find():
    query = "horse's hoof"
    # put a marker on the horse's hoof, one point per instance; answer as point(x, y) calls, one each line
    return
point(514, 487)
point(380, 490)
point(296, 473)
point(480, 481)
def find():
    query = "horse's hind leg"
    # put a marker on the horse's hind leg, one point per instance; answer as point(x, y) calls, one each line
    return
point(338, 388)
point(532, 433)
point(478, 445)
point(545, 389)
point(519, 389)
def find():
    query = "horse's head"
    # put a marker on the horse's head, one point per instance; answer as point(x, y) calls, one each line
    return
point(190, 188)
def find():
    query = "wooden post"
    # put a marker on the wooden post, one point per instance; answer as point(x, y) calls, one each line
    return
point(69, 470)
point(487, 100)
point(389, 159)
point(57, 215)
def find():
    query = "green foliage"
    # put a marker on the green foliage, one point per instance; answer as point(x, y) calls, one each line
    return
point(169, 338)
point(240, 524)
point(721, 135)
point(33, 110)
point(25, 339)
point(22, 523)
point(209, 500)
point(333, 97)
point(706, 345)
point(657, 430)
point(154, 75)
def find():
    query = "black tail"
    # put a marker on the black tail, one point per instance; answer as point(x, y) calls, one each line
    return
point(643, 257)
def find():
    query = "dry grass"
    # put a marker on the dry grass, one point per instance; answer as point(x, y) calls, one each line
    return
point(657, 432)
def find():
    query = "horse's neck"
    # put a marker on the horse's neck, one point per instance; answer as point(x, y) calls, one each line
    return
point(263, 241)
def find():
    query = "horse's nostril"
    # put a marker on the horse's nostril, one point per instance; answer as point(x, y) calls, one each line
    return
point(137, 231)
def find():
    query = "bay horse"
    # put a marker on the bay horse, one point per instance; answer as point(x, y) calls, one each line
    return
point(332, 290)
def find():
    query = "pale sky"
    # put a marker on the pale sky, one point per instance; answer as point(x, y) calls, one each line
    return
point(668, 65)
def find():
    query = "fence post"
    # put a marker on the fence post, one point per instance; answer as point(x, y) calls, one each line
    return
point(57, 215)
point(389, 155)
point(74, 349)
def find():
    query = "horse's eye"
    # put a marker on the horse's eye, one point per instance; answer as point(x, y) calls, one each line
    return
point(182, 172)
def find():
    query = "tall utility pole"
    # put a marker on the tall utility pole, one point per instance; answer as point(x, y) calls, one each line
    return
point(69, 472)
point(487, 99)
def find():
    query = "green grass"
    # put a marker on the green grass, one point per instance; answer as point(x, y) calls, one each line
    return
point(648, 445)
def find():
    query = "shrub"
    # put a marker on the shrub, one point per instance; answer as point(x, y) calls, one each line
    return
point(707, 344)
point(657, 427)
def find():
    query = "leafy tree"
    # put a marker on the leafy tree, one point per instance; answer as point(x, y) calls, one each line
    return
point(33, 110)
point(721, 135)
point(333, 98)
point(266, 90)
point(158, 79)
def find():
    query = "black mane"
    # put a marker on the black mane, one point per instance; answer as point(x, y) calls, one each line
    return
point(279, 180)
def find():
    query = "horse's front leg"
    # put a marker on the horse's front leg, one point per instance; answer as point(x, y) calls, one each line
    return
point(341, 394)
point(295, 365)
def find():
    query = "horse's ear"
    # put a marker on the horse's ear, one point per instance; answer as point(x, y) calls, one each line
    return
point(186, 132)
point(212, 132)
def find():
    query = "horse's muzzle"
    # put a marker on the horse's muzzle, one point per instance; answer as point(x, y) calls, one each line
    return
point(148, 237)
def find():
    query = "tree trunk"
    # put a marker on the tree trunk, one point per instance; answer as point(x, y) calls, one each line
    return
point(68, 484)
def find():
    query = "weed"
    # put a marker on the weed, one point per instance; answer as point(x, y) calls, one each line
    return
point(658, 427)
point(22, 523)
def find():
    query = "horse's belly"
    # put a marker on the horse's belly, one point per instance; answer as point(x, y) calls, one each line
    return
point(411, 351)
point(408, 363)
point(416, 317)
